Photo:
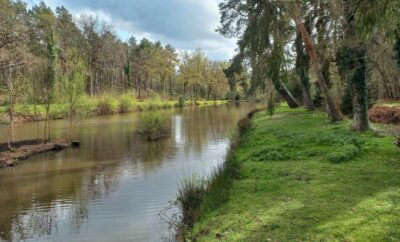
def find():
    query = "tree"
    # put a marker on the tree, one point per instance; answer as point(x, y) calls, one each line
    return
point(94, 37)
point(15, 88)
point(361, 19)
point(73, 85)
point(44, 45)
point(332, 110)
point(263, 33)
point(13, 57)
point(302, 65)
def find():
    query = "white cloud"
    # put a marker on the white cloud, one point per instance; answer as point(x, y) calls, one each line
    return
point(185, 24)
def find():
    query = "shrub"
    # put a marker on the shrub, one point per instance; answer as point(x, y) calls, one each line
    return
point(189, 199)
point(127, 102)
point(271, 153)
point(152, 125)
point(344, 153)
point(181, 101)
point(107, 104)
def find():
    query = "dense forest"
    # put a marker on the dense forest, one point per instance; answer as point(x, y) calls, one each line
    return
point(344, 55)
point(48, 47)
point(51, 57)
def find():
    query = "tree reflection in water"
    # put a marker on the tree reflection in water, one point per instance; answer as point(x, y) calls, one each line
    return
point(115, 178)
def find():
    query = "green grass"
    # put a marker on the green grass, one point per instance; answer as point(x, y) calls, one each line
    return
point(303, 179)
point(389, 103)
point(105, 104)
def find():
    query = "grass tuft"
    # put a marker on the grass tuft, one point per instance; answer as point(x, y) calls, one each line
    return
point(152, 125)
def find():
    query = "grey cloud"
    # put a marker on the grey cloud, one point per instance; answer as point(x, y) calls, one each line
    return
point(186, 24)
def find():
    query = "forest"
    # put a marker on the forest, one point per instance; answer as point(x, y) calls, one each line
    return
point(296, 137)
point(341, 54)
point(49, 58)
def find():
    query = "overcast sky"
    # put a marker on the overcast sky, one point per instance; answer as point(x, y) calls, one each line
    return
point(185, 24)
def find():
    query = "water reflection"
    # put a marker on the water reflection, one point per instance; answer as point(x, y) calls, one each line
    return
point(113, 187)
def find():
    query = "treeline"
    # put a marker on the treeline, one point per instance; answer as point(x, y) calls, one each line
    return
point(31, 39)
point(341, 55)
point(49, 57)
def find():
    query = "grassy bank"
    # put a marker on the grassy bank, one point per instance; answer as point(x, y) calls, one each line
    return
point(101, 105)
point(299, 178)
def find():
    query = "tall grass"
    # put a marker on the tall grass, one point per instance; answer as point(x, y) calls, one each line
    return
point(127, 102)
point(152, 124)
point(108, 103)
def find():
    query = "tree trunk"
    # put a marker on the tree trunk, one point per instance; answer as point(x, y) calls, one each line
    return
point(170, 86)
point(11, 95)
point(286, 95)
point(333, 112)
point(302, 67)
point(360, 97)
point(353, 63)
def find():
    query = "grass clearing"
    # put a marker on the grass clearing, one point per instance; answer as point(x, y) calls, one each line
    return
point(303, 179)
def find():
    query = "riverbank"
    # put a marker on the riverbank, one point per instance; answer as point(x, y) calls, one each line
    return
point(98, 106)
point(24, 149)
point(298, 178)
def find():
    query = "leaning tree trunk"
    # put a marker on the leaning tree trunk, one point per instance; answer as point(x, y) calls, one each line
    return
point(302, 67)
point(333, 112)
point(285, 94)
point(275, 76)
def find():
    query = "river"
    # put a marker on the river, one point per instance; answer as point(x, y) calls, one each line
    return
point(114, 186)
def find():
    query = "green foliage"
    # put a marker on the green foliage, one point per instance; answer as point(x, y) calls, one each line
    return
point(344, 153)
point(181, 101)
point(152, 125)
point(190, 196)
point(73, 82)
point(312, 194)
point(127, 102)
point(107, 104)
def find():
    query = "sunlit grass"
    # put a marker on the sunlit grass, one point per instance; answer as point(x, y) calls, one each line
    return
point(108, 103)
point(303, 179)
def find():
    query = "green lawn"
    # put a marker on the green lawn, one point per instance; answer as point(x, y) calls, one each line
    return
point(303, 179)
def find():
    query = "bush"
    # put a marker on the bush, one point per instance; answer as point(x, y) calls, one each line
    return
point(86, 107)
point(152, 125)
point(343, 153)
point(190, 197)
point(127, 102)
point(107, 104)
point(181, 101)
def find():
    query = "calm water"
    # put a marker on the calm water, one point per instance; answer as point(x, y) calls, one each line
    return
point(113, 187)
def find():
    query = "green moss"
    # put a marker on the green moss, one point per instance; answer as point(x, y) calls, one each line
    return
point(303, 179)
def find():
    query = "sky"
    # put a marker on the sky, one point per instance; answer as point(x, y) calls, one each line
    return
point(185, 24)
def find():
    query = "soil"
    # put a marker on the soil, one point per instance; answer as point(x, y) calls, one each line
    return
point(26, 148)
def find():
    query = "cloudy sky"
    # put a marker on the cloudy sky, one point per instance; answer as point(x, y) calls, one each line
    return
point(185, 24)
